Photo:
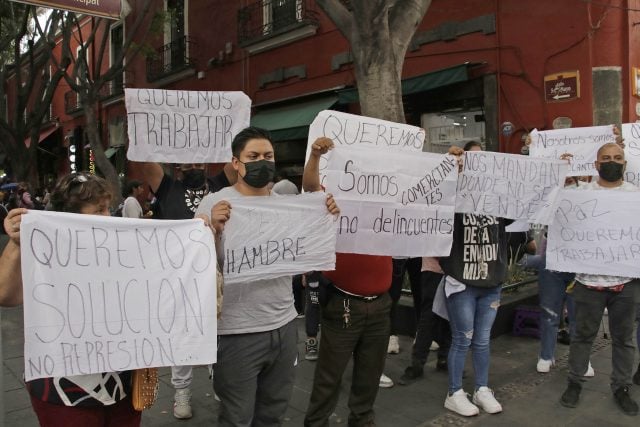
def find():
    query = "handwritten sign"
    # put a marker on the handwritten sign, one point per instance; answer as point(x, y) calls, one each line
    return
point(631, 135)
point(596, 232)
point(510, 186)
point(269, 237)
point(178, 126)
point(392, 203)
point(105, 294)
point(583, 143)
point(351, 130)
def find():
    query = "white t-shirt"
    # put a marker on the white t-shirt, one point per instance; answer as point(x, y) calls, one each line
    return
point(132, 208)
point(259, 306)
point(597, 279)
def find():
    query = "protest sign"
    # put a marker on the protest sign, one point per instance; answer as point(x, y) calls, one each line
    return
point(583, 143)
point(179, 126)
point(105, 294)
point(631, 134)
point(353, 130)
point(392, 203)
point(510, 186)
point(596, 232)
point(269, 237)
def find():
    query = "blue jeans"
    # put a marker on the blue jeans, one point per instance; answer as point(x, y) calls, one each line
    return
point(471, 314)
point(552, 287)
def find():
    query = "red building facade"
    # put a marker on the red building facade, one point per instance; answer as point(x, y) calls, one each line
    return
point(490, 70)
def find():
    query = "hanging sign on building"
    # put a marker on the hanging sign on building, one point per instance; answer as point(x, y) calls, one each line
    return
point(563, 86)
point(101, 8)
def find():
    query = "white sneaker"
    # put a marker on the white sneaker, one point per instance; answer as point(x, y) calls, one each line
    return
point(394, 345)
point(434, 346)
point(385, 381)
point(544, 366)
point(484, 398)
point(590, 372)
point(182, 404)
point(459, 403)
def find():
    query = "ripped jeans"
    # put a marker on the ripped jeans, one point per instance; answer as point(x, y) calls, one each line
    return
point(471, 314)
point(552, 293)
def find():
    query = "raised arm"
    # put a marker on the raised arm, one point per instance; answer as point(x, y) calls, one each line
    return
point(311, 174)
point(152, 173)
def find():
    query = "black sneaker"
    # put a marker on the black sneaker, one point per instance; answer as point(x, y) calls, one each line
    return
point(625, 402)
point(411, 374)
point(636, 377)
point(571, 395)
point(441, 364)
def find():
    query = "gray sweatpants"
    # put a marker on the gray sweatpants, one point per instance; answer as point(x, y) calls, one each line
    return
point(254, 376)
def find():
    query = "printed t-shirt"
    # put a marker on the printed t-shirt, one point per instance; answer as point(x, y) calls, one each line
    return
point(176, 201)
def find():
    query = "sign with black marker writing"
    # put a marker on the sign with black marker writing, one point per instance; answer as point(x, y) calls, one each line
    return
point(350, 130)
point(510, 186)
point(105, 294)
point(269, 237)
point(583, 143)
point(596, 232)
point(631, 134)
point(179, 126)
point(393, 203)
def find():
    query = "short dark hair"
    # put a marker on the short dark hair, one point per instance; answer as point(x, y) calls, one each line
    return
point(129, 187)
point(245, 135)
point(76, 190)
point(469, 145)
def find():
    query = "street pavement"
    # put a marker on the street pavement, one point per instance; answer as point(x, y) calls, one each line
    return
point(528, 398)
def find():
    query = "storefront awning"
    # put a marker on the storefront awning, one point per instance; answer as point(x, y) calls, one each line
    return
point(428, 81)
point(291, 121)
point(43, 135)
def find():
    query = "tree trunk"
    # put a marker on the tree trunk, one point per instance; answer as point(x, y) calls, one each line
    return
point(95, 141)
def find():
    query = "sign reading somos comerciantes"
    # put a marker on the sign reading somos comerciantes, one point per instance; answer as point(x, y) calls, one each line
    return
point(102, 8)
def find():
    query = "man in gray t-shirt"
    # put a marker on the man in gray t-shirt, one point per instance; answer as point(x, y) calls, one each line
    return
point(257, 347)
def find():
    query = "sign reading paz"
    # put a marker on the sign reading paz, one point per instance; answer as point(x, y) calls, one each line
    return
point(582, 143)
point(596, 232)
point(393, 203)
point(352, 130)
point(105, 294)
point(269, 237)
point(178, 126)
point(510, 186)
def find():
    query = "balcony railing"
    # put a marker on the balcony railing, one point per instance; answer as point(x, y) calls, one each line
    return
point(71, 102)
point(171, 58)
point(267, 18)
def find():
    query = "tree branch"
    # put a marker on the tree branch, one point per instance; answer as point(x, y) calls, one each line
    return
point(338, 13)
point(404, 17)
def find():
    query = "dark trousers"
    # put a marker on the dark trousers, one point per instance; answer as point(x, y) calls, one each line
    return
point(298, 293)
point(590, 305)
point(254, 376)
point(431, 327)
point(312, 309)
point(366, 340)
point(412, 266)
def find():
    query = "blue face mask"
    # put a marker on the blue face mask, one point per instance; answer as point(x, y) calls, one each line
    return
point(259, 173)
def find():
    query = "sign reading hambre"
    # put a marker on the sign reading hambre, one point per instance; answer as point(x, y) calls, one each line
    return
point(582, 143)
point(102, 8)
point(269, 237)
point(510, 186)
point(105, 294)
point(178, 126)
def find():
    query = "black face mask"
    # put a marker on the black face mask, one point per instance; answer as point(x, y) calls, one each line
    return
point(259, 173)
point(611, 171)
point(193, 178)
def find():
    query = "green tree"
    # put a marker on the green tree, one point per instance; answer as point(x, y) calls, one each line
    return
point(379, 32)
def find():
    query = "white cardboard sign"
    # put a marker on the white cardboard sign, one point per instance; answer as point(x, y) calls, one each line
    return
point(510, 186)
point(269, 237)
point(631, 135)
point(583, 143)
point(179, 126)
point(104, 294)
